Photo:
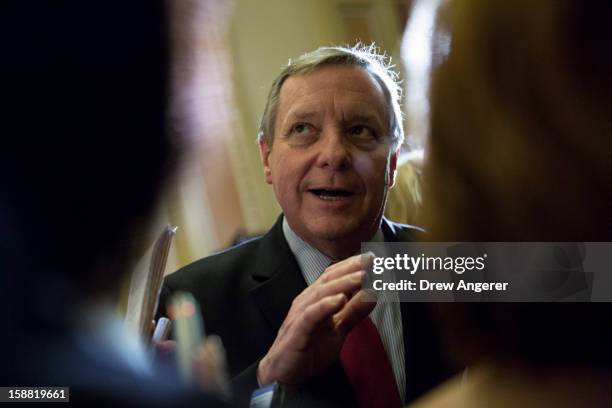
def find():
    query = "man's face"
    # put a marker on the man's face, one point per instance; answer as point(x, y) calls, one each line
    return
point(330, 163)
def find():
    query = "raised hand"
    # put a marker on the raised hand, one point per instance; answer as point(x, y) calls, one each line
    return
point(318, 321)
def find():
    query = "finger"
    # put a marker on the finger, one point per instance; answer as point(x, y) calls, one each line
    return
point(347, 285)
point(315, 314)
point(314, 293)
point(209, 358)
point(347, 266)
point(209, 365)
point(358, 308)
point(161, 330)
point(164, 348)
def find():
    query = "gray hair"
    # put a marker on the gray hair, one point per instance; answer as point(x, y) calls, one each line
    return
point(365, 56)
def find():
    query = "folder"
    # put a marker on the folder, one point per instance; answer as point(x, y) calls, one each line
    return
point(146, 283)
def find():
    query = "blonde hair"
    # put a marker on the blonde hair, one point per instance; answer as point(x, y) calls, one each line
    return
point(521, 150)
point(521, 144)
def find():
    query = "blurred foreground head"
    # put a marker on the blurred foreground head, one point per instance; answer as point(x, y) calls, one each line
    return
point(520, 145)
point(520, 150)
point(85, 146)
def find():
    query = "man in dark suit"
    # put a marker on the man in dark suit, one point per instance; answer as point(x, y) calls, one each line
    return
point(286, 304)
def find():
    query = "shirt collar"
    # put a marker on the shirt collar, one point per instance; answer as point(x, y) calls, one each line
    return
point(311, 261)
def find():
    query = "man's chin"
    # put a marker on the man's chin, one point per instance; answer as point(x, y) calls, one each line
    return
point(333, 230)
point(337, 238)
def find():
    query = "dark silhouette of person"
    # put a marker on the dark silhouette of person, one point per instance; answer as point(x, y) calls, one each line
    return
point(85, 151)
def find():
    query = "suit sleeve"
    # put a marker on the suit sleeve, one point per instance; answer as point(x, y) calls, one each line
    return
point(244, 384)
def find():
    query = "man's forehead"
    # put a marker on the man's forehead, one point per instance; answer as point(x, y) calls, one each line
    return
point(358, 111)
point(349, 77)
point(359, 93)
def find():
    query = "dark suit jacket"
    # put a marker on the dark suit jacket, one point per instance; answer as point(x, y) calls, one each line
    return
point(245, 293)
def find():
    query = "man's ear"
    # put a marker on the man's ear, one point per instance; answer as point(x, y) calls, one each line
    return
point(393, 168)
point(264, 152)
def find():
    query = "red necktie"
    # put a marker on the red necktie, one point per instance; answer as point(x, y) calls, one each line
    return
point(368, 369)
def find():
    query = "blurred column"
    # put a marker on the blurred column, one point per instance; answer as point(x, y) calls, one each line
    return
point(204, 202)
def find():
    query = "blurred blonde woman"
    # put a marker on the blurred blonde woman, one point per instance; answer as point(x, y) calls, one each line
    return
point(405, 198)
point(521, 150)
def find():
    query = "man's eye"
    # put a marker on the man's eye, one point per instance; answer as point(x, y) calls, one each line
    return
point(301, 134)
point(302, 129)
point(362, 131)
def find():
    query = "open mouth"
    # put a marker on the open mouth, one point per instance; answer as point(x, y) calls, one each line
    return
point(331, 195)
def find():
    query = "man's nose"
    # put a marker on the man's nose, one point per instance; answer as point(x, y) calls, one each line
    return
point(334, 152)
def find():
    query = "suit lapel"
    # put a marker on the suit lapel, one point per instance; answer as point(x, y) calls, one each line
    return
point(280, 277)
point(388, 231)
